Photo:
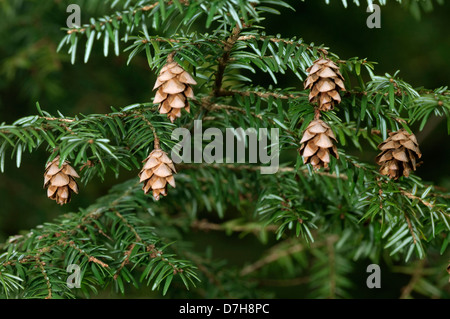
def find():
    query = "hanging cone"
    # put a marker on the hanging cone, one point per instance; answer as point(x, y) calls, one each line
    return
point(174, 87)
point(157, 172)
point(317, 144)
point(60, 181)
point(399, 154)
point(325, 82)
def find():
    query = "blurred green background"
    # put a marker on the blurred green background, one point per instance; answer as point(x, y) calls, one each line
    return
point(31, 71)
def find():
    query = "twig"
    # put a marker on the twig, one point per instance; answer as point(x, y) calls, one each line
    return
point(417, 274)
point(284, 282)
point(274, 255)
point(276, 252)
point(410, 228)
point(125, 261)
point(150, 247)
point(44, 274)
point(161, 40)
point(90, 258)
point(250, 37)
point(156, 142)
point(212, 277)
point(448, 270)
point(411, 196)
point(332, 263)
point(206, 226)
point(257, 168)
point(317, 113)
point(57, 119)
point(132, 229)
point(262, 94)
point(223, 60)
point(88, 218)
point(117, 17)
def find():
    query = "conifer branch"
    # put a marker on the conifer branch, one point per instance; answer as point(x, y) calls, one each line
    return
point(411, 230)
point(273, 39)
point(116, 240)
point(281, 250)
point(205, 225)
point(261, 94)
point(41, 266)
point(125, 261)
point(232, 167)
point(156, 141)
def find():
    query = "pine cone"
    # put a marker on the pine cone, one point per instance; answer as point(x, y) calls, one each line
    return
point(317, 144)
point(325, 82)
point(158, 170)
point(400, 152)
point(60, 181)
point(174, 87)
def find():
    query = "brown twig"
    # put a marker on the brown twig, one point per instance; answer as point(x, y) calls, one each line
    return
point(57, 119)
point(90, 258)
point(284, 282)
point(250, 37)
point(215, 107)
point(156, 142)
point(161, 40)
point(332, 263)
point(257, 168)
point(125, 261)
point(276, 252)
point(410, 228)
point(411, 196)
point(261, 94)
point(212, 277)
point(448, 270)
point(131, 247)
point(205, 225)
point(44, 274)
point(132, 229)
point(270, 258)
point(88, 218)
point(117, 17)
point(223, 60)
point(150, 248)
point(317, 113)
point(417, 274)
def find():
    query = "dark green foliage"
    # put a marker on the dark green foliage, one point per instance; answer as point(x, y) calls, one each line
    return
point(317, 223)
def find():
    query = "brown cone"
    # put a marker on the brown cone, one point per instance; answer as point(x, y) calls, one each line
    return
point(157, 172)
point(174, 89)
point(325, 82)
point(60, 181)
point(317, 144)
point(399, 154)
